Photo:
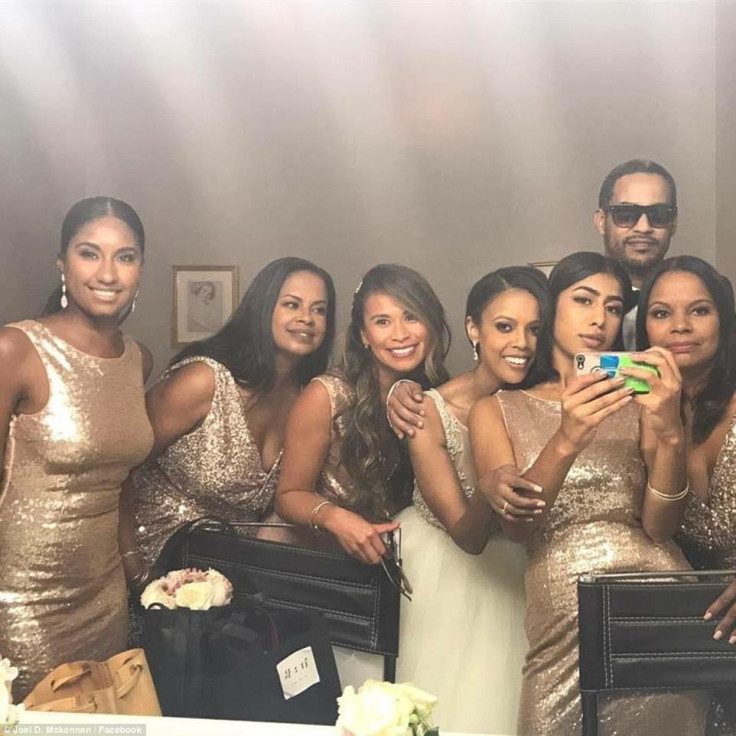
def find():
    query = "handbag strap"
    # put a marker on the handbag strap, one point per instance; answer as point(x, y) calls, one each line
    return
point(174, 543)
point(67, 673)
point(127, 677)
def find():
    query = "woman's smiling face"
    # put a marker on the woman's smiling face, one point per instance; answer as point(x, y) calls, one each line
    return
point(396, 337)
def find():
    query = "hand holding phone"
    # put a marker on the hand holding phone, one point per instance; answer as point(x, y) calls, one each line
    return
point(611, 364)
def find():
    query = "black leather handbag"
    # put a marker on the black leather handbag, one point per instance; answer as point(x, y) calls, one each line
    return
point(359, 602)
point(645, 631)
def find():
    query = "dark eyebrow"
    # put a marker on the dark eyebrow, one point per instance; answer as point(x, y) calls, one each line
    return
point(94, 246)
point(589, 289)
point(614, 298)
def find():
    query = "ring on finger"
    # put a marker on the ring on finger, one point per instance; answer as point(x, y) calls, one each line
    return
point(505, 506)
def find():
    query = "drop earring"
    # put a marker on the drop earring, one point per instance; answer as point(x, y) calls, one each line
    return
point(476, 351)
point(63, 301)
point(132, 304)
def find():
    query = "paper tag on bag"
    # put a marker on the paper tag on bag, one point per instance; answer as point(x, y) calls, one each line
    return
point(297, 672)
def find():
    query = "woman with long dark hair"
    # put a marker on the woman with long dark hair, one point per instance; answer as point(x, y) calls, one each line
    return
point(72, 425)
point(343, 469)
point(687, 307)
point(466, 611)
point(219, 412)
point(610, 466)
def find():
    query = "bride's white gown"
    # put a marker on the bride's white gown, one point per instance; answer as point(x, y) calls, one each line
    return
point(462, 635)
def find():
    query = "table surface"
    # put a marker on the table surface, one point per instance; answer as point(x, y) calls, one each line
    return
point(167, 726)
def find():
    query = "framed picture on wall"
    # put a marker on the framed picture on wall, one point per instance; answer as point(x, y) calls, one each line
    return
point(204, 299)
point(544, 266)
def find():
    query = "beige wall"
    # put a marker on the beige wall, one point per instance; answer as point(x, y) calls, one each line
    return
point(452, 136)
point(725, 143)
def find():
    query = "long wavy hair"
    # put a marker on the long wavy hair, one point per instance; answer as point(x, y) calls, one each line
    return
point(245, 345)
point(568, 271)
point(526, 278)
point(371, 454)
point(712, 400)
point(87, 210)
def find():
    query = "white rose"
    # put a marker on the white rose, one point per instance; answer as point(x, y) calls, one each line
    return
point(155, 593)
point(423, 701)
point(374, 711)
point(196, 596)
point(4, 702)
point(222, 588)
point(8, 673)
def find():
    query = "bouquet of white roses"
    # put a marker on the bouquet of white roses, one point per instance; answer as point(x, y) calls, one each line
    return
point(8, 711)
point(194, 589)
point(386, 709)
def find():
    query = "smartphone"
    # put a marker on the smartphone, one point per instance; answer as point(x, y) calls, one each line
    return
point(610, 363)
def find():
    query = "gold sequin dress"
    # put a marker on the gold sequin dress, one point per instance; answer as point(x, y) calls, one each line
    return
point(215, 470)
point(708, 535)
point(594, 526)
point(62, 588)
point(335, 483)
point(462, 635)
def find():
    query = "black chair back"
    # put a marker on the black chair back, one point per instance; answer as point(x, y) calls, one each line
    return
point(646, 632)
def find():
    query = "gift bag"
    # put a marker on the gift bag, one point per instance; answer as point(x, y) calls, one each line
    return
point(243, 662)
point(122, 684)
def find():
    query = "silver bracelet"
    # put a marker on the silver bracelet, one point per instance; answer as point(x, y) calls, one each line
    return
point(669, 496)
point(315, 511)
point(131, 553)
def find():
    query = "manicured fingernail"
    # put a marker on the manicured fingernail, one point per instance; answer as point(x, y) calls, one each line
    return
point(732, 640)
point(537, 488)
point(708, 616)
point(718, 635)
point(528, 520)
point(420, 424)
point(541, 504)
point(538, 511)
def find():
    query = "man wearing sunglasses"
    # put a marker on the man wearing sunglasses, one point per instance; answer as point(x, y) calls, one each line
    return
point(637, 216)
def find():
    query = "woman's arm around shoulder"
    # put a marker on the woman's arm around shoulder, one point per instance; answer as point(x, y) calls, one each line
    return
point(466, 520)
point(179, 403)
point(305, 450)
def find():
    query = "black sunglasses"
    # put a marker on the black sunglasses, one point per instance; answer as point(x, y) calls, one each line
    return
point(391, 564)
point(627, 215)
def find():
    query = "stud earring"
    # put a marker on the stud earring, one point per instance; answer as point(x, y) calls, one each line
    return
point(63, 301)
point(476, 351)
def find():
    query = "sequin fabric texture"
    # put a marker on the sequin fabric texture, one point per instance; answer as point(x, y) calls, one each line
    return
point(334, 483)
point(708, 533)
point(215, 470)
point(62, 588)
point(709, 527)
point(458, 447)
point(594, 526)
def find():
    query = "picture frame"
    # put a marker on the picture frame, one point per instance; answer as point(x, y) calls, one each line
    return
point(544, 266)
point(204, 298)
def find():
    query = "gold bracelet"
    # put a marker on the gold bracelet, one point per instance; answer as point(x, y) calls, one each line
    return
point(315, 511)
point(669, 496)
